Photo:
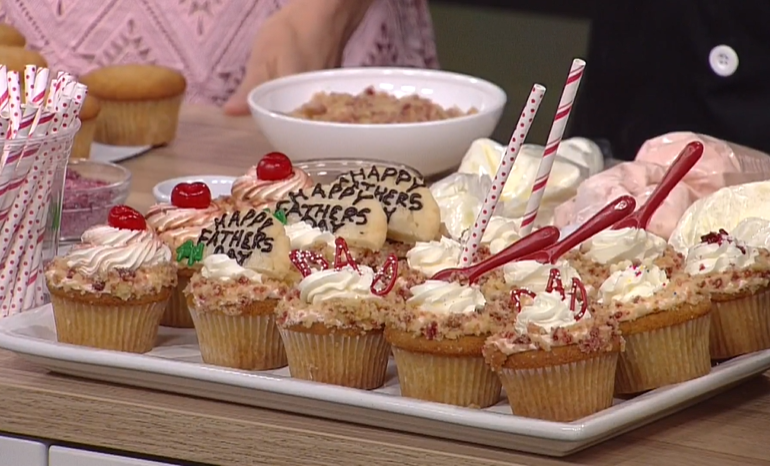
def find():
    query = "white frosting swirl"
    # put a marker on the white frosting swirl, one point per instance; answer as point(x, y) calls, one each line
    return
point(533, 275)
point(713, 257)
point(625, 244)
point(548, 311)
point(222, 267)
point(345, 283)
point(303, 236)
point(633, 282)
point(501, 232)
point(434, 256)
point(105, 248)
point(754, 232)
point(442, 297)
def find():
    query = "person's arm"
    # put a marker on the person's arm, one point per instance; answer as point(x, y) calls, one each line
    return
point(305, 35)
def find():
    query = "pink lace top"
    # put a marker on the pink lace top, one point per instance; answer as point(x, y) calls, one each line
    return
point(208, 40)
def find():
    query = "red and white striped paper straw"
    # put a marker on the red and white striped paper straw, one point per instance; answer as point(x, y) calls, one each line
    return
point(40, 87)
point(4, 97)
point(518, 136)
point(30, 73)
point(554, 139)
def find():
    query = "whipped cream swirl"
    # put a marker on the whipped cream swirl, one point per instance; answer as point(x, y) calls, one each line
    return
point(176, 225)
point(223, 268)
point(264, 193)
point(442, 297)
point(345, 283)
point(633, 282)
point(533, 275)
point(548, 311)
point(434, 256)
point(105, 248)
point(302, 235)
point(753, 231)
point(625, 244)
point(719, 257)
point(501, 232)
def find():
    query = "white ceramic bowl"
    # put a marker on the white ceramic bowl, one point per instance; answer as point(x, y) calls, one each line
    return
point(219, 186)
point(430, 147)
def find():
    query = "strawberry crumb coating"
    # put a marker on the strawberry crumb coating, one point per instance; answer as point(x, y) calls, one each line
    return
point(546, 320)
point(722, 265)
point(438, 310)
point(638, 291)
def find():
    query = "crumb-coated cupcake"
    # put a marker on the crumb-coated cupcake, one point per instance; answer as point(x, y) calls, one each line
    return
point(140, 104)
point(612, 250)
point(268, 182)
point(234, 313)
point(191, 209)
point(111, 290)
point(11, 36)
point(529, 275)
point(437, 340)
point(81, 147)
point(737, 277)
point(556, 361)
point(665, 323)
point(332, 327)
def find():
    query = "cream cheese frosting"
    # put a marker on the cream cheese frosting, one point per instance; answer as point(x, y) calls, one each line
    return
point(302, 235)
point(222, 267)
point(547, 311)
point(625, 244)
point(345, 283)
point(727, 254)
point(105, 248)
point(633, 282)
point(534, 276)
point(444, 298)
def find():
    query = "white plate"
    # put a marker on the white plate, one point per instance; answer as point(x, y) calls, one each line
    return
point(114, 154)
point(219, 186)
point(430, 147)
point(175, 366)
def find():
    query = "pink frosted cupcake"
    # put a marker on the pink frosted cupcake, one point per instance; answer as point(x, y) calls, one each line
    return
point(191, 209)
point(268, 182)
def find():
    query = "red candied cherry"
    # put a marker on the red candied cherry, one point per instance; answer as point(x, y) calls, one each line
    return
point(195, 195)
point(124, 217)
point(274, 166)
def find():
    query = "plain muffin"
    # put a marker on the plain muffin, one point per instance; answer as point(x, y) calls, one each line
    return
point(10, 36)
point(81, 148)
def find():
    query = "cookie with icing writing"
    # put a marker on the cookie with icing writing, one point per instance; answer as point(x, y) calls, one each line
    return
point(256, 239)
point(412, 212)
point(345, 210)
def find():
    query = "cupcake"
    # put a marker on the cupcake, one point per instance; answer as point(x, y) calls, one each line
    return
point(234, 313)
point(556, 361)
point(268, 182)
point(737, 277)
point(437, 340)
point(111, 290)
point(81, 147)
point(332, 323)
point(140, 104)
point(665, 323)
point(191, 209)
point(612, 250)
point(529, 275)
point(10, 36)
point(16, 59)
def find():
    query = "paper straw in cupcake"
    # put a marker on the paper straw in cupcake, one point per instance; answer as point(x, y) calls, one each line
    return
point(554, 139)
point(503, 172)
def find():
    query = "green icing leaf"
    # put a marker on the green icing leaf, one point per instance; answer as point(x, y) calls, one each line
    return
point(190, 251)
point(281, 216)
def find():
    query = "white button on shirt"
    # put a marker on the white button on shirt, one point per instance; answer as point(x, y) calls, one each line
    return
point(723, 60)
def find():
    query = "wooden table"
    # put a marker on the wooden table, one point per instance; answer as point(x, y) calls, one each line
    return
point(731, 429)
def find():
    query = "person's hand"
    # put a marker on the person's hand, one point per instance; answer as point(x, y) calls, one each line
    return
point(305, 35)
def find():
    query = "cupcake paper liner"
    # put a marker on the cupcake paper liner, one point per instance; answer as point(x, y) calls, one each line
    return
point(178, 313)
point(357, 361)
point(127, 327)
point(140, 123)
point(456, 380)
point(740, 326)
point(562, 393)
point(249, 342)
point(664, 356)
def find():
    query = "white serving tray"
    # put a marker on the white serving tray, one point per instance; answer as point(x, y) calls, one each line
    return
point(175, 366)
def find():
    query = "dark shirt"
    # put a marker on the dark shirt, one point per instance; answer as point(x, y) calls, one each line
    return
point(649, 73)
